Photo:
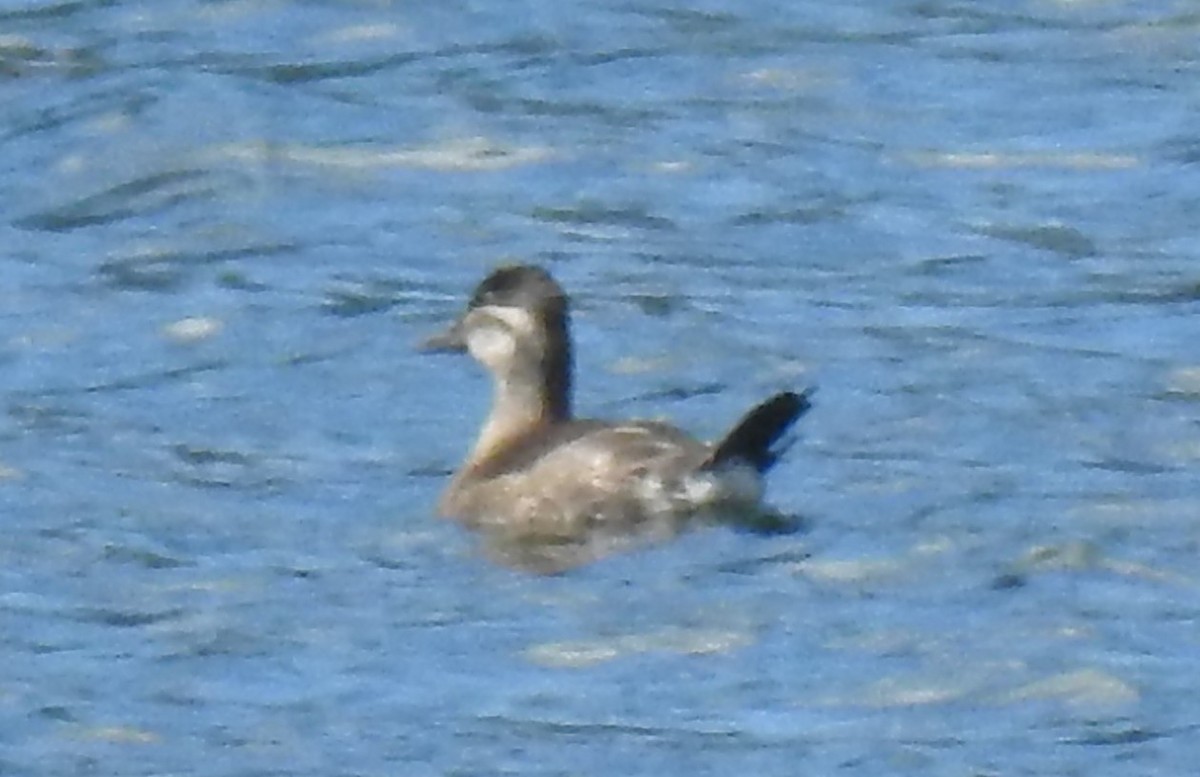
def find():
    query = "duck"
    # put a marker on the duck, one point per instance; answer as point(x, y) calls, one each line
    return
point(549, 491)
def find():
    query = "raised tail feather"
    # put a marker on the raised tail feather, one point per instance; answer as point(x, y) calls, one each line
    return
point(756, 438)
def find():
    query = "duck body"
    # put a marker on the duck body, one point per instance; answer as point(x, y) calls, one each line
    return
point(549, 491)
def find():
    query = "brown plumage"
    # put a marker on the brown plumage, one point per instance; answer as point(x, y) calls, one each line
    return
point(548, 491)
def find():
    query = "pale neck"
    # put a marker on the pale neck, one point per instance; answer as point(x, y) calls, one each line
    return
point(521, 405)
point(531, 395)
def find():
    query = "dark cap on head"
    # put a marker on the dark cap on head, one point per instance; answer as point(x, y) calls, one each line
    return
point(520, 285)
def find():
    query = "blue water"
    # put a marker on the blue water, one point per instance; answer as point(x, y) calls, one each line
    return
point(224, 225)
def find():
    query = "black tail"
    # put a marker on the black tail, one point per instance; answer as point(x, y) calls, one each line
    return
point(755, 438)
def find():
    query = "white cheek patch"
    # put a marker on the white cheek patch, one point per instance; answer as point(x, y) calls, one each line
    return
point(491, 344)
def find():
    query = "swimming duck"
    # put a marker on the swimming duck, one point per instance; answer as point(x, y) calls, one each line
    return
point(549, 491)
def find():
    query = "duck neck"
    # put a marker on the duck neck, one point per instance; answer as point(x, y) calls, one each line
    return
point(529, 397)
point(557, 369)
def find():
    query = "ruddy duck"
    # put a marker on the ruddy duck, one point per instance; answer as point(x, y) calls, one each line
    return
point(548, 491)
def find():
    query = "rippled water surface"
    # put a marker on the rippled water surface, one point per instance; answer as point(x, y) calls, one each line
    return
point(223, 226)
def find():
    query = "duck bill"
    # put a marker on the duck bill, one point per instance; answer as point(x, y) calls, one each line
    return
point(452, 340)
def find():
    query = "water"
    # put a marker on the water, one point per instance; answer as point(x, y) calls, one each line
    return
point(225, 224)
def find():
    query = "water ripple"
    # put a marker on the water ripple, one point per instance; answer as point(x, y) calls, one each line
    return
point(143, 196)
